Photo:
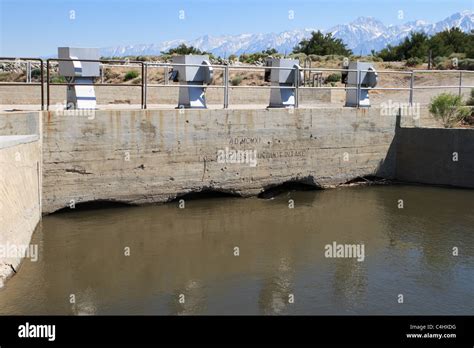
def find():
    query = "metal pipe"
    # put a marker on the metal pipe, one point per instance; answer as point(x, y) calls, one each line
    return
point(42, 84)
point(47, 84)
point(358, 87)
point(460, 83)
point(444, 71)
point(226, 87)
point(143, 86)
point(297, 82)
point(412, 83)
point(434, 87)
point(28, 72)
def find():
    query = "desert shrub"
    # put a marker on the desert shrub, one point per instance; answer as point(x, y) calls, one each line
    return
point(334, 57)
point(442, 63)
point(322, 44)
point(332, 78)
point(259, 57)
point(466, 64)
point(143, 58)
point(414, 61)
point(315, 58)
point(110, 74)
point(4, 76)
point(183, 49)
point(237, 80)
point(35, 73)
point(300, 56)
point(439, 59)
point(470, 102)
point(58, 79)
point(373, 58)
point(457, 55)
point(449, 109)
point(233, 58)
point(130, 75)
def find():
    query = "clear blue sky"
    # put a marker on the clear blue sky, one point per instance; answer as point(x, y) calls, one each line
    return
point(36, 28)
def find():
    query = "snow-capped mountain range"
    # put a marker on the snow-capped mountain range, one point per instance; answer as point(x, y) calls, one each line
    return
point(361, 36)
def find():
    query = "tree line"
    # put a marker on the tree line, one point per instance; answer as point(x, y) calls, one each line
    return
point(415, 48)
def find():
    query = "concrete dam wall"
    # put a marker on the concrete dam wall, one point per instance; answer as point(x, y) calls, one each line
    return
point(148, 156)
point(436, 156)
point(20, 198)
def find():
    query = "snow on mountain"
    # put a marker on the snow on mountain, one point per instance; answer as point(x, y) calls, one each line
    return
point(362, 35)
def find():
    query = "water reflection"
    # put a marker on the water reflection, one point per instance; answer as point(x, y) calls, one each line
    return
point(276, 292)
point(190, 251)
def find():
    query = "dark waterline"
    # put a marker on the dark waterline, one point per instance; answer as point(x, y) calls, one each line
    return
point(191, 251)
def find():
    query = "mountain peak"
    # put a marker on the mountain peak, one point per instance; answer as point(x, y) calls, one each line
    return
point(361, 35)
point(366, 20)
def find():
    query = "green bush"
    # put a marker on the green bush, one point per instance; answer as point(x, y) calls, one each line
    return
point(130, 75)
point(373, 59)
point(35, 73)
point(322, 44)
point(259, 57)
point(470, 101)
point(449, 109)
point(414, 61)
point(236, 81)
point(58, 79)
point(450, 42)
point(183, 49)
point(441, 63)
point(4, 76)
point(336, 77)
point(457, 55)
point(466, 64)
point(300, 56)
point(315, 58)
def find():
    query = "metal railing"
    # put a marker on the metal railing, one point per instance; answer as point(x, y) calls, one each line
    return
point(28, 78)
point(226, 75)
point(297, 86)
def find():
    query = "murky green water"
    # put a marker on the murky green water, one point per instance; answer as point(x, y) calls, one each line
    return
point(190, 251)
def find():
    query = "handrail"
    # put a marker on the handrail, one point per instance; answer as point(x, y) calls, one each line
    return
point(29, 83)
point(226, 77)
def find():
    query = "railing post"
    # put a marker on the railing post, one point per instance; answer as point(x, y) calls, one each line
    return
point(412, 84)
point(358, 87)
point(145, 85)
point(460, 83)
point(297, 82)
point(226, 86)
point(28, 71)
point(47, 84)
point(42, 84)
